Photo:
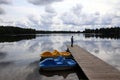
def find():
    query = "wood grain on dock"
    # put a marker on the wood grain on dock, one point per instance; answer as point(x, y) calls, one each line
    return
point(93, 67)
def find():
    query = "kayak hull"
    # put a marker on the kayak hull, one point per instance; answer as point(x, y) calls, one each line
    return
point(59, 63)
point(57, 68)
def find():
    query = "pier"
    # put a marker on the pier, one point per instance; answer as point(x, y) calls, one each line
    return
point(93, 67)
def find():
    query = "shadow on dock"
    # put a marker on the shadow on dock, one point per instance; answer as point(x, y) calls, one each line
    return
point(80, 73)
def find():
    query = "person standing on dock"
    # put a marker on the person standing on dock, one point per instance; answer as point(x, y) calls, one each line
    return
point(72, 41)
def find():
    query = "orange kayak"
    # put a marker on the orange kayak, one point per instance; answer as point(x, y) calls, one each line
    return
point(55, 53)
point(46, 54)
point(65, 54)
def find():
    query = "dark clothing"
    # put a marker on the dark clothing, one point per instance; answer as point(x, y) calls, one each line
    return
point(72, 41)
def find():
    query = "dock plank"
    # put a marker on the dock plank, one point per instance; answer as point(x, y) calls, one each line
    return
point(93, 67)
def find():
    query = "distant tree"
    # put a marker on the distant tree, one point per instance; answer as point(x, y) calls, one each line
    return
point(112, 30)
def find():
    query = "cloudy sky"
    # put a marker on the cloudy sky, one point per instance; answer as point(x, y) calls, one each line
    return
point(60, 14)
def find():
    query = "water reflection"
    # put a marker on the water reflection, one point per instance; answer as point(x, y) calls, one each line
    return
point(24, 53)
point(34, 74)
point(2, 55)
point(13, 38)
point(5, 64)
point(64, 74)
point(111, 36)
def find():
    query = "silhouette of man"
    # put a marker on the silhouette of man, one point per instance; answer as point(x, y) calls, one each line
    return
point(72, 41)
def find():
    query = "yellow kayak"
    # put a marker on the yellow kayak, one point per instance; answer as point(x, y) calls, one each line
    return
point(55, 53)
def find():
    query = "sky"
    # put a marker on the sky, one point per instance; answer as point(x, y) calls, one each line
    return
point(66, 15)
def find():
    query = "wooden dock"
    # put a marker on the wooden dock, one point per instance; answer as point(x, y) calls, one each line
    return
point(93, 67)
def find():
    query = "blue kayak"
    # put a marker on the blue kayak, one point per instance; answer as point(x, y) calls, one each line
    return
point(59, 63)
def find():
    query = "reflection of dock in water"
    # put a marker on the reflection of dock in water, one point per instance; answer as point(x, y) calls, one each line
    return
point(71, 74)
point(93, 67)
point(62, 73)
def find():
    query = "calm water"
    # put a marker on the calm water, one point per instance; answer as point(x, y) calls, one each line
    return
point(19, 56)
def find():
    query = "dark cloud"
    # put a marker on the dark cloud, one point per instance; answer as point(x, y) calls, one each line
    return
point(49, 9)
point(43, 2)
point(2, 11)
point(5, 1)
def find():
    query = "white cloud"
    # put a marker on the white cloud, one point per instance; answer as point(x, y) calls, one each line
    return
point(47, 18)
point(77, 17)
point(43, 21)
point(21, 24)
point(60, 14)
point(116, 21)
point(33, 21)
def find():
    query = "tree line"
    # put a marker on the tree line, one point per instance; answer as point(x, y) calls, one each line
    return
point(112, 30)
point(15, 30)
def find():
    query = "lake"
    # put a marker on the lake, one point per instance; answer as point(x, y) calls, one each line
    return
point(20, 55)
